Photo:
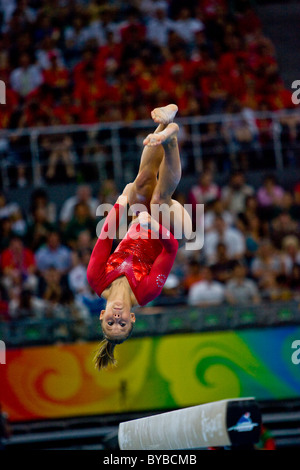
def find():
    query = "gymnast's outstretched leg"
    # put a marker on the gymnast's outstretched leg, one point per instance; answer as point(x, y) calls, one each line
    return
point(169, 176)
point(152, 156)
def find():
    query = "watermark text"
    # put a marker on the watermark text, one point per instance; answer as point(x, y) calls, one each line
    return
point(296, 93)
point(2, 92)
point(2, 352)
point(296, 353)
point(173, 219)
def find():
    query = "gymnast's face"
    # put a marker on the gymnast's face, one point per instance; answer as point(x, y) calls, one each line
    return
point(116, 319)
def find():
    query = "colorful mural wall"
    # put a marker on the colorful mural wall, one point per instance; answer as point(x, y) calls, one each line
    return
point(152, 374)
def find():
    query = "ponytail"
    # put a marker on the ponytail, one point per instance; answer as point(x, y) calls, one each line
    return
point(105, 355)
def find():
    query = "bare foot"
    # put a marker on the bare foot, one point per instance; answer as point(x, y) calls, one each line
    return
point(170, 132)
point(164, 115)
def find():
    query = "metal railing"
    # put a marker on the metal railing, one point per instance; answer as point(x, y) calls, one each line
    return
point(165, 320)
point(255, 141)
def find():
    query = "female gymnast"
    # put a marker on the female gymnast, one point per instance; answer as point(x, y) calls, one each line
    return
point(135, 273)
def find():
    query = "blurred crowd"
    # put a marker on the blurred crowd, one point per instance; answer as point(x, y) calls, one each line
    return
point(251, 251)
point(44, 256)
point(86, 62)
point(77, 61)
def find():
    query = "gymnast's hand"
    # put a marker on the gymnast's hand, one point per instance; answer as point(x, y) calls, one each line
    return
point(123, 198)
point(127, 189)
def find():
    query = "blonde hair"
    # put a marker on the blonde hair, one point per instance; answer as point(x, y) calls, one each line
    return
point(104, 357)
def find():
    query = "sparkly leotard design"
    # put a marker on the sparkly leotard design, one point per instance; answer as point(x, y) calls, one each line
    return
point(145, 258)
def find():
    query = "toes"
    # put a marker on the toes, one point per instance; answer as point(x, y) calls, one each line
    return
point(156, 118)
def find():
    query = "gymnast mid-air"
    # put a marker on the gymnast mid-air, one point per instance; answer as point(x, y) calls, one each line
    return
point(135, 273)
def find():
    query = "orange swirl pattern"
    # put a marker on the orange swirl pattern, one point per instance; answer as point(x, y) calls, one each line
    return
point(49, 382)
point(152, 374)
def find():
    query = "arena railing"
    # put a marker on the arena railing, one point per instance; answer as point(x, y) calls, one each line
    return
point(257, 140)
point(158, 321)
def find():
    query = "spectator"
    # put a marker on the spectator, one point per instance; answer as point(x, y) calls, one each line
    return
point(240, 134)
point(19, 225)
point(269, 196)
point(85, 241)
point(77, 280)
point(56, 75)
point(266, 261)
point(294, 281)
point(39, 199)
point(38, 229)
point(7, 209)
point(80, 222)
point(150, 7)
point(26, 305)
point(132, 30)
point(275, 288)
point(192, 276)
point(92, 302)
point(53, 254)
point(76, 34)
point(186, 26)
point(239, 289)
point(281, 226)
point(83, 194)
point(108, 192)
point(18, 262)
point(235, 193)
point(47, 54)
point(289, 205)
point(214, 147)
point(214, 91)
point(233, 239)
point(158, 27)
point(6, 232)
point(222, 268)
point(216, 209)
point(253, 237)
point(60, 154)
point(297, 194)
point(79, 315)
point(251, 208)
point(53, 287)
point(205, 191)
point(290, 253)
point(27, 77)
point(206, 292)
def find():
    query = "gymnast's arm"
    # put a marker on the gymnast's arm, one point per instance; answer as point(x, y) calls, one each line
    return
point(102, 248)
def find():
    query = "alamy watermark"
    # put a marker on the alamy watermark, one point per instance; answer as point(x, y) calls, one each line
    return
point(296, 354)
point(171, 219)
point(296, 93)
point(2, 352)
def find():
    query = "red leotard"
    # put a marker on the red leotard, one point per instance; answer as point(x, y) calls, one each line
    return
point(144, 257)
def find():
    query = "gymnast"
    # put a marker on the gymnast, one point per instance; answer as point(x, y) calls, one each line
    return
point(135, 273)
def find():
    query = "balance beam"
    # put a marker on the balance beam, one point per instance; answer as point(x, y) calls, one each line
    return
point(217, 424)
